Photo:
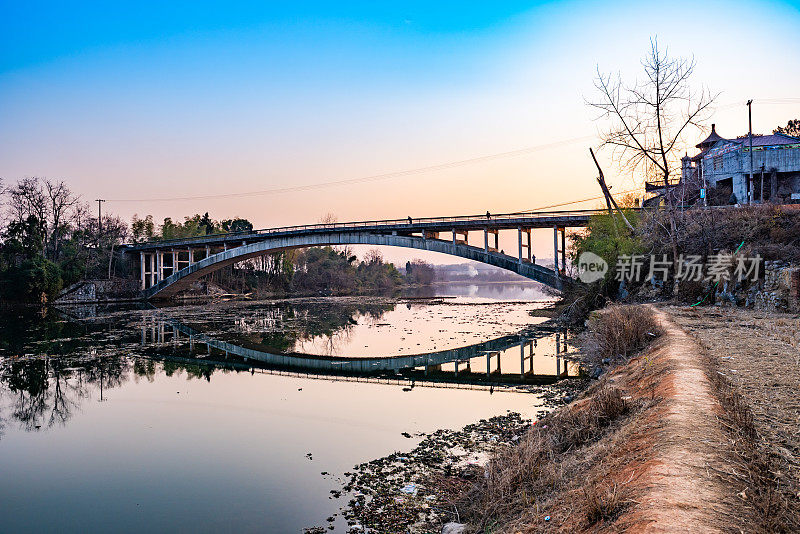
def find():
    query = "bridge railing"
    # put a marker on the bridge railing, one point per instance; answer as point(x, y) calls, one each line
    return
point(412, 222)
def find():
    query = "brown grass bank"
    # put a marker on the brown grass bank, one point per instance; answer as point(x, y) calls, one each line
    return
point(655, 445)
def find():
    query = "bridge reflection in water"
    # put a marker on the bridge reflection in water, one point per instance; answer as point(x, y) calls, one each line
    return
point(539, 356)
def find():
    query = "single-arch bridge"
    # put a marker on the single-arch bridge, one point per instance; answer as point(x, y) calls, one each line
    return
point(170, 266)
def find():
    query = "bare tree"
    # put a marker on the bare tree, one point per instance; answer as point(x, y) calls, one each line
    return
point(373, 256)
point(61, 201)
point(649, 119)
point(28, 202)
point(329, 218)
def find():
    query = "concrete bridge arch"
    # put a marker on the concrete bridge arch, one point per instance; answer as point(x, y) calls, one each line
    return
point(266, 244)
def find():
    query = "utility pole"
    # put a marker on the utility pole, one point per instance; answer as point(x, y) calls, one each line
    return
point(750, 136)
point(99, 220)
point(609, 199)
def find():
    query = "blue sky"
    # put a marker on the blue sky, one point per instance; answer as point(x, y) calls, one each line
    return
point(40, 32)
point(150, 100)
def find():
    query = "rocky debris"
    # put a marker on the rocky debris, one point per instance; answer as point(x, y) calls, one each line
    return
point(558, 394)
point(453, 528)
point(413, 492)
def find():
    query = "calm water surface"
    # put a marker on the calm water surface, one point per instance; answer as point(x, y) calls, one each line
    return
point(180, 419)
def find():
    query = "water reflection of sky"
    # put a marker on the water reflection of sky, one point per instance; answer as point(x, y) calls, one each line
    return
point(412, 328)
point(169, 450)
point(493, 291)
point(358, 327)
point(95, 438)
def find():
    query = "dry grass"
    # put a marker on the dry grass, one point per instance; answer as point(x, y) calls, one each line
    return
point(603, 502)
point(750, 358)
point(772, 506)
point(618, 331)
point(518, 478)
point(772, 231)
point(575, 464)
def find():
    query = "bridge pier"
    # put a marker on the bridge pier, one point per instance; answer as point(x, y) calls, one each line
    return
point(437, 368)
point(490, 248)
point(489, 356)
point(561, 270)
point(148, 273)
point(522, 345)
point(460, 240)
point(141, 270)
point(524, 244)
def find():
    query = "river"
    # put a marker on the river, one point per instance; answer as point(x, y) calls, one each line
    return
point(224, 416)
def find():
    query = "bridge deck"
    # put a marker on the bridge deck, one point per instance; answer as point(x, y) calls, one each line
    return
point(561, 219)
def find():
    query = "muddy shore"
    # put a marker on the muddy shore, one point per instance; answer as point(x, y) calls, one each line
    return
point(695, 433)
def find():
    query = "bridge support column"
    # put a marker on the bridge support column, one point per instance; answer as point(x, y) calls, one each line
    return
point(560, 271)
point(558, 353)
point(524, 243)
point(555, 251)
point(208, 251)
point(533, 348)
point(464, 239)
point(159, 266)
point(495, 246)
point(141, 269)
point(522, 358)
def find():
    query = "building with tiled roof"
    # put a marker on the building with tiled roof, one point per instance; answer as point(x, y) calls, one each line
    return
point(723, 167)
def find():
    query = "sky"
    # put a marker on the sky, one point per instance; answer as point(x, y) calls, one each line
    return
point(140, 102)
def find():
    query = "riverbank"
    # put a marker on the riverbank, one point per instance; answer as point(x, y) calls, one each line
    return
point(697, 432)
point(663, 442)
point(419, 490)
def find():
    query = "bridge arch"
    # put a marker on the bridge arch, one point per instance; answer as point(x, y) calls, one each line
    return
point(180, 280)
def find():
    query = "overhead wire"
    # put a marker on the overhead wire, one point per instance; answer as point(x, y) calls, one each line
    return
point(365, 179)
point(577, 201)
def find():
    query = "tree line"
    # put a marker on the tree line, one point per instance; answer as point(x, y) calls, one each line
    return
point(50, 238)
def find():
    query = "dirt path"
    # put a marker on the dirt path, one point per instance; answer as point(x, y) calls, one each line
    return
point(684, 456)
point(759, 353)
point(683, 493)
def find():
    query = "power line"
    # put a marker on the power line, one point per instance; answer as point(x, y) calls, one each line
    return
point(577, 201)
point(365, 179)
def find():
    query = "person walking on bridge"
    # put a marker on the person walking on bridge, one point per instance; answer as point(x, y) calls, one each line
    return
point(488, 215)
point(409, 220)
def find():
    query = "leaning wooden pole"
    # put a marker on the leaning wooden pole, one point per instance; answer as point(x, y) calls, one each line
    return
point(609, 199)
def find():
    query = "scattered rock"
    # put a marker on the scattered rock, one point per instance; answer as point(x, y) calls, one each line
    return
point(453, 528)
